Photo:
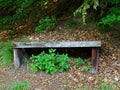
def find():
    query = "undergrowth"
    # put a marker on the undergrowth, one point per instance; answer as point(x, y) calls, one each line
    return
point(6, 53)
point(21, 85)
point(108, 12)
point(46, 23)
point(50, 62)
point(79, 62)
point(107, 86)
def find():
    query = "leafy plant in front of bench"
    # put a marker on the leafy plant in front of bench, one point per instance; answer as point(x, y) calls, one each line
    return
point(79, 62)
point(89, 65)
point(44, 62)
point(50, 62)
point(46, 23)
point(63, 62)
point(6, 53)
point(87, 68)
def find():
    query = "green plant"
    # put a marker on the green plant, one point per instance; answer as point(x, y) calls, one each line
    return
point(87, 68)
point(79, 62)
point(6, 53)
point(0, 37)
point(13, 12)
point(107, 86)
point(82, 10)
point(21, 85)
point(112, 18)
point(46, 23)
point(49, 62)
point(62, 62)
point(107, 11)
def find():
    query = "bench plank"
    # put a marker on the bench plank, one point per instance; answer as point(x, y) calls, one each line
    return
point(69, 44)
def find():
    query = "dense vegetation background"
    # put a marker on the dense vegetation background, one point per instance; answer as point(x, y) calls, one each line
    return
point(13, 13)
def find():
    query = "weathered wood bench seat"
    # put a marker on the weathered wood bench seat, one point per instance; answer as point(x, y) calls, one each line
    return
point(95, 45)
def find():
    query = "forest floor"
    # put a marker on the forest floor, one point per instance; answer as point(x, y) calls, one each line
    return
point(75, 78)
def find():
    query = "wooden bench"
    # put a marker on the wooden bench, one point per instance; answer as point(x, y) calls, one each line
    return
point(94, 45)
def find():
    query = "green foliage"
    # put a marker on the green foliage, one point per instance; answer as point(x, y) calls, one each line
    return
point(6, 53)
point(87, 68)
point(112, 18)
point(107, 18)
point(62, 62)
point(0, 37)
point(107, 86)
point(82, 10)
point(12, 12)
point(79, 62)
point(21, 85)
point(50, 62)
point(46, 23)
point(27, 3)
point(113, 1)
point(14, 18)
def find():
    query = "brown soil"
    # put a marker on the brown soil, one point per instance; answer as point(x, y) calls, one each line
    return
point(75, 78)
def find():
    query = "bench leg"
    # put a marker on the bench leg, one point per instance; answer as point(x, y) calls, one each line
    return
point(18, 57)
point(95, 52)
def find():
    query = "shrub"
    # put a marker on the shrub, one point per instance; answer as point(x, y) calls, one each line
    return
point(46, 23)
point(50, 62)
point(112, 18)
point(108, 12)
point(79, 62)
point(12, 12)
point(6, 53)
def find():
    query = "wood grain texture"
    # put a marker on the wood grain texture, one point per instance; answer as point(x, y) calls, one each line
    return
point(56, 44)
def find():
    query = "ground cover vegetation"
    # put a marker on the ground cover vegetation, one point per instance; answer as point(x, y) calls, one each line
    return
point(23, 85)
point(6, 53)
point(53, 62)
point(50, 63)
point(18, 85)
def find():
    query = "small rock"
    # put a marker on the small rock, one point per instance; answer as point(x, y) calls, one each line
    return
point(116, 78)
point(76, 80)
